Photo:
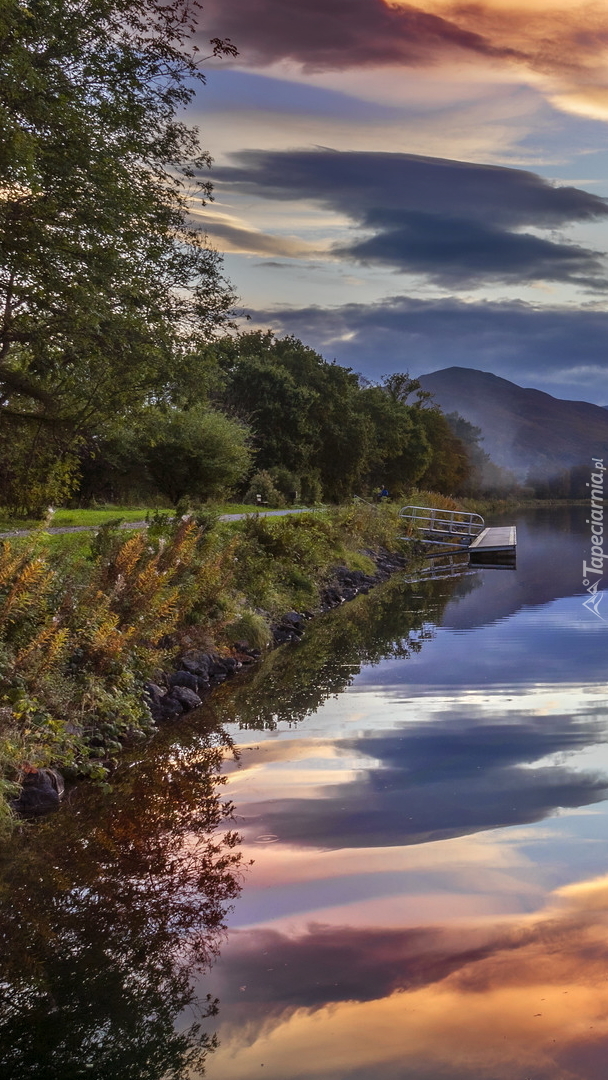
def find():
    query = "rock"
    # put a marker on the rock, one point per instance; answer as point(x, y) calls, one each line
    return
point(332, 597)
point(203, 685)
point(231, 664)
point(292, 618)
point(186, 697)
point(154, 692)
point(184, 678)
point(217, 667)
point(41, 793)
point(196, 662)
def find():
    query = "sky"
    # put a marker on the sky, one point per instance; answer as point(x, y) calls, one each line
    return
point(413, 186)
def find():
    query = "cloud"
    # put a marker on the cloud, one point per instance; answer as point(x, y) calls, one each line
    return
point(430, 782)
point(560, 349)
point(246, 241)
point(324, 35)
point(560, 47)
point(455, 222)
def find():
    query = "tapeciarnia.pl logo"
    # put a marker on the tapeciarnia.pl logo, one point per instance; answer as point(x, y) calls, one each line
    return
point(593, 571)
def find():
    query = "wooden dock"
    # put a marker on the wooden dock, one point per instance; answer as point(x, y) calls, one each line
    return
point(460, 530)
point(499, 542)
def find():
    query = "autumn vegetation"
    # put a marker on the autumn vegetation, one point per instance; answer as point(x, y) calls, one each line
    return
point(124, 379)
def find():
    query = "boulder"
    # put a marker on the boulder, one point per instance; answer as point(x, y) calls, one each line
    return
point(41, 793)
point(167, 709)
point(184, 678)
point(187, 698)
point(196, 662)
point(154, 692)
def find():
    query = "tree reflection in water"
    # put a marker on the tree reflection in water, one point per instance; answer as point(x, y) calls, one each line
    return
point(394, 621)
point(111, 909)
point(108, 913)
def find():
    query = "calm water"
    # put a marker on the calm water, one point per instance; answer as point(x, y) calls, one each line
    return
point(422, 786)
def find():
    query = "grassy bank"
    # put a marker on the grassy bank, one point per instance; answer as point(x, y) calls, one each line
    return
point(82, 628)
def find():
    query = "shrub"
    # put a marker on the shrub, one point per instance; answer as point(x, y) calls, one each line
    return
point(195, 454)
point(262, 491)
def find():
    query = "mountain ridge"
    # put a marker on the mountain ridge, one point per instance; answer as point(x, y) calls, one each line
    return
point(524, 429)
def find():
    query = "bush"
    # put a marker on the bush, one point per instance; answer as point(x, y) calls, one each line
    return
point(34, 475)
point(262, 491)
point(194, 454)
point(250, 628)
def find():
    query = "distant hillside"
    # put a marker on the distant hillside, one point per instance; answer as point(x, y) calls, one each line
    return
point(524, 430)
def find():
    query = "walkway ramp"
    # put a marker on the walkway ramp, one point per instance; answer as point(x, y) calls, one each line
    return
point(447, 528)
point(458, 530)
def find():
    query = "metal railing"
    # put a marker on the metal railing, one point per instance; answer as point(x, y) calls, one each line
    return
point(447, 527)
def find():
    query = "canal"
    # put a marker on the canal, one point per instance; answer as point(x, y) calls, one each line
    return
point(383, 854)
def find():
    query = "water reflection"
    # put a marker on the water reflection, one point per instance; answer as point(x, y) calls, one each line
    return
point(422, 784)
point(391, 623)
point(434, 906)
point(525, 998)
point(425, 781)
point(108, 913)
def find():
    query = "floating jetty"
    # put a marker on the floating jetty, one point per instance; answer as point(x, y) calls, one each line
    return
point(458, 530)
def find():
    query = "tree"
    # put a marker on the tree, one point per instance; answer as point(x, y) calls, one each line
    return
point(304, 412)
point(196, 453)
point(400, 451)
point(449, 469)
point(104, 284)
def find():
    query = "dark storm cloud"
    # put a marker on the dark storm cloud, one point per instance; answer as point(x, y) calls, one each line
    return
point(447, 779)
point(563, 350)
point(370, 182)
point(456, 222)
point(329, 963)
point(337, 34)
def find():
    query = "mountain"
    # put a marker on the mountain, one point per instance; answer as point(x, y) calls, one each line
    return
point(524, 430)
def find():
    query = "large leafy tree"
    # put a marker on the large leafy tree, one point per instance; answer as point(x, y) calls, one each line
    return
point(104, 284)
point(304, 411)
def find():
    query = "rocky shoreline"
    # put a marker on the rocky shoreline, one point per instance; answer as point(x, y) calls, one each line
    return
point(198, 672)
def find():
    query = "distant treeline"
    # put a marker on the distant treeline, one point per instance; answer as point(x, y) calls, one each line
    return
point(270, 420)
point(267, 420)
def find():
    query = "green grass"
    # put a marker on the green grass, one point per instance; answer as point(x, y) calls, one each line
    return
point(72, 518)
point(68, 518)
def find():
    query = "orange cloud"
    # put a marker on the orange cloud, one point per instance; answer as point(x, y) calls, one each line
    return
point(560, 48)
point(531, 998)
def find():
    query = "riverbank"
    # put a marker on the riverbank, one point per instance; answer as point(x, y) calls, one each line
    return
point(82, 635)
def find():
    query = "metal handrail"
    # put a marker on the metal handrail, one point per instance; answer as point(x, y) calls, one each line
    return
point(430, 519)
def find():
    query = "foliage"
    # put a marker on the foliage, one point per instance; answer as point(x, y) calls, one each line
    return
point(262, 490)
point(76, 644)
point(485, 477)
point(196, 453)
point(331, 432)
point(105, 286)
point(109, 916)
point(449, 468)
point(249, 628)
point(35, 471)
